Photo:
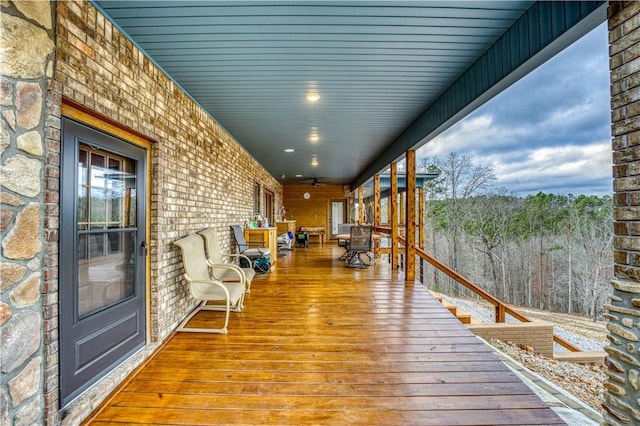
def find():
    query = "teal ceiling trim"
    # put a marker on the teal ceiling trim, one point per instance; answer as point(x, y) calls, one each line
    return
point(542, 31)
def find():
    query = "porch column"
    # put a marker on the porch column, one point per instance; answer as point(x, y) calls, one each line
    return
point(393, 207)
point(28, 215)
point(376, 213)
point(410, 219)
point(360, 206)
point(421, 217)
point(621, 403)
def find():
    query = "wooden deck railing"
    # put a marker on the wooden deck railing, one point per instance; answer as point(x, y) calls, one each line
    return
point(501, 308)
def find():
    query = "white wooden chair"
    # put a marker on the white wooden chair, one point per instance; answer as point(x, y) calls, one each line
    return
point(224, 270)
point(205, 289)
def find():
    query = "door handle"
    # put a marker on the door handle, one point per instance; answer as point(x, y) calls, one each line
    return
point(143, 246)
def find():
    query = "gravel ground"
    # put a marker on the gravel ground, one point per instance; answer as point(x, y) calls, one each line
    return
point(583, 381)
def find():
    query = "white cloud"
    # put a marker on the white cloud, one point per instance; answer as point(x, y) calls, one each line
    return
point(550, 131)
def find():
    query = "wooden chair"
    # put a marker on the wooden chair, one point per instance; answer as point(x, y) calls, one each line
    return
point(205, 289)
point(221, 270)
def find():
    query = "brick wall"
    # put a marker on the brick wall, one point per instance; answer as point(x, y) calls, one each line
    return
point(200, 176)
point(623, 384)
point(538, 335)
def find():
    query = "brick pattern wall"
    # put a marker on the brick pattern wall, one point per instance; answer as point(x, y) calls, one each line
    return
point(200, 176)
point(621, 403)
point(538, 335)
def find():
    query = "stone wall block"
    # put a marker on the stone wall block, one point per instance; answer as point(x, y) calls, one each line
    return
point(41, 13)
point(28, 47)
point(623, 356)
point(27, 293)
point(10, 273)
point(615, 388)
point(29, 104)
point(626, 286)
point(5, 138)
point(10, 116)
point(5, 219)
point(634, 379)
point(21, 174)
point(10, 199)
point(622, 310)
point(5, 313)
point(31, 143)
point(26, 383)
point(6, 91)
point(23, 241)
point(20, 339)
point(27, 414)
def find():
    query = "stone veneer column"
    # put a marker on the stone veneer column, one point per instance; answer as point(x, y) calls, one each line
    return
point(621, 403)
point(26, 38)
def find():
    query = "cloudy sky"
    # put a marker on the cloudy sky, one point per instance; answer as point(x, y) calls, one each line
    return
point(548, 132)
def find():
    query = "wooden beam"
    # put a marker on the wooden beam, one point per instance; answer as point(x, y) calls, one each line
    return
point(376, 213)
point(410, 194)
point(393, 206)
point(360, 205)
point(421, 217)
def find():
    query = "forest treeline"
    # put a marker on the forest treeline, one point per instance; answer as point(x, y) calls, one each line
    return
point(546, 251)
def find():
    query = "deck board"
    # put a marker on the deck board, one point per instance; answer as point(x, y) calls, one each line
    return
point(319, 343)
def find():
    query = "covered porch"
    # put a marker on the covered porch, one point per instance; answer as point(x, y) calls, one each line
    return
point(319, 343)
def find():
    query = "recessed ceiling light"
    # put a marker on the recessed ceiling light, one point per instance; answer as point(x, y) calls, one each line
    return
point(313, 97)
point(313, 137)
point(298, 175)
point(289, 150)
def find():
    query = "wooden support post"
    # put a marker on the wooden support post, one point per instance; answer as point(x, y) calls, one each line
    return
point(410, 219)
point(376, 213)
point(393, 206)
point(360, 205)
point(421, 217)
point(500, 313)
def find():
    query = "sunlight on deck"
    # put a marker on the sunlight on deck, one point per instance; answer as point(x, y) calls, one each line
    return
point(319, 343)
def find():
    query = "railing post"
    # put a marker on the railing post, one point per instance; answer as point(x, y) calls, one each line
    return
point(500, 312)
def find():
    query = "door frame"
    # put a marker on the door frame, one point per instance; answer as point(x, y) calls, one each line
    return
point(345, 215)
point(80, 114)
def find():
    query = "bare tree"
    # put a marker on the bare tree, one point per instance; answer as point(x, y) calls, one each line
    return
point(461, 180)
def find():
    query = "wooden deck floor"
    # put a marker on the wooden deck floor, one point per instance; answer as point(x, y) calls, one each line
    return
point(319, 343)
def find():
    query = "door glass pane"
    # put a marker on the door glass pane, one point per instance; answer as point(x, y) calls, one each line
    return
point(337, 216)
point(106, 231)
point(107, 278)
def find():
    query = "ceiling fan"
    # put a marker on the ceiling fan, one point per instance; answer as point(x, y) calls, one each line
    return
point(316, 182)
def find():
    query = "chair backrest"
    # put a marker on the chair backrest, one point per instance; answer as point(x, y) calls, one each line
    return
point(214, 253)
point(193, 257)
point(238, 234)
point(345, 228)
point(361, 238)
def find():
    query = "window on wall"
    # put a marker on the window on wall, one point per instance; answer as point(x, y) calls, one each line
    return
point(256, 198)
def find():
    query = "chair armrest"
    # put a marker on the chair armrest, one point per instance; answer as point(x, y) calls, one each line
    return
point(228, 266)
point(238, 255)
point(212, 282)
